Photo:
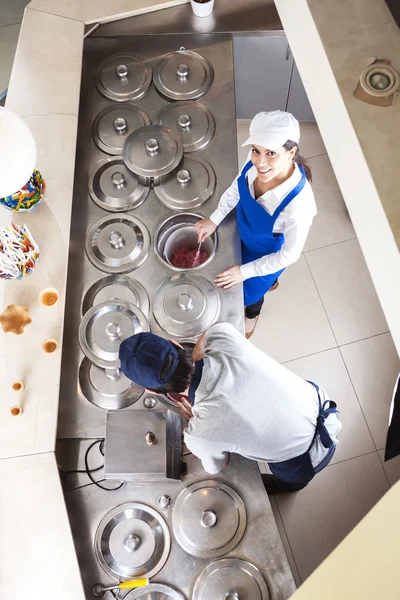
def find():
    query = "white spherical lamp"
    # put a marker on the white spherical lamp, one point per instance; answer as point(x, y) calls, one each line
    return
point(17, 153)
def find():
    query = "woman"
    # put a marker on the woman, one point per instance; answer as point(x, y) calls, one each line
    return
point(275, 209)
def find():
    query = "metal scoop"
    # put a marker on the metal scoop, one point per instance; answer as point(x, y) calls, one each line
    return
point(98, 590)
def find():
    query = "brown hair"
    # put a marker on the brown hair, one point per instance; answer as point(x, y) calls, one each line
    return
point(299, 159)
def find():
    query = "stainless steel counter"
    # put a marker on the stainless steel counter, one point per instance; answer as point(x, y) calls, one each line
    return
point(260, 545)
point(77, 416)
point(229, 16)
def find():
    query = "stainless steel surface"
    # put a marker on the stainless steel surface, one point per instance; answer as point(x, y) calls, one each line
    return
point(186, 305)
point(119, 287)
point(178, 231)
point(143, 445)
point(231, 579)
point(152, 151)
point(105, 326)
point(208, 519)
point(123, 77)
point(183, 75)
point(77, 416)
point(112, 126)
point(132, 540)
point(118, 244)
point(116, 189)
point(155, 591)
point(107, 388)
point(260, 545)
point(189, 186)
point(228, 16)
point(192, 121)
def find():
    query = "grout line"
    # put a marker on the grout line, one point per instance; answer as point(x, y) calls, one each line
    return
point(339, 462)
point(358, 31)
point(319, 296)
point(384, 470)
point(363, 339)
point(308, 355)
point(330, 245)
point(288, 540)
point(315, 156)
point(358, 400)
point(46, 12)
point(11, 24)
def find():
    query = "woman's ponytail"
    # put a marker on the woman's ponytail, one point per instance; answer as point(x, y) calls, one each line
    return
point(299, 159)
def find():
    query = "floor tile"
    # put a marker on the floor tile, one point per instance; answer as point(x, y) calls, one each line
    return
point(285, 540)
point(347, 292)
point(242, 134)
point(328, 370)
point(293, 322)
point(374, 365)
point(332, 223)
point(8, 44)
point(317, 518)
point(391, 467)
point(11, 12)
point(311, 143)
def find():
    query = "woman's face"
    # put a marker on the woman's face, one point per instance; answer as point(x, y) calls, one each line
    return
point(271, 163)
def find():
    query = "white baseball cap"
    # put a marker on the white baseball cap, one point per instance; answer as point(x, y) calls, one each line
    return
point(273, 129)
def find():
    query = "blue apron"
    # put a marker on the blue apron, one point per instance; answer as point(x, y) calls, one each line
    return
point(300, 469)
point(256, 228)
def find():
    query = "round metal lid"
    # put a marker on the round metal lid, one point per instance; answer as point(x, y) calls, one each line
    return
point(192, 121)
point(155, 591)
point(183, 75)
point(186, 305)
point(209, 519)
point(230, 579)
point(105, 326)
point(131, 541)
point(114, 188)
point(114, 124)
point(152, 151)
point(107, 388)
point(117, 286)
point(190, 186)
point(117, 244)
point(123, 77)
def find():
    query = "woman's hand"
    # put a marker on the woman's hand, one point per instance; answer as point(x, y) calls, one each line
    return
point(230, 277)
point(204, 228)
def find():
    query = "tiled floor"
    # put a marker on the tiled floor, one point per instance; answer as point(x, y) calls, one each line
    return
point(325, 323)
point(11, 12)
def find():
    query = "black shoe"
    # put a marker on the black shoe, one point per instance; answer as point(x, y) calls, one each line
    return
point(273, 485)
point(270, 484)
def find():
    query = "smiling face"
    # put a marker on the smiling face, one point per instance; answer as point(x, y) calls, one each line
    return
point(271, 163)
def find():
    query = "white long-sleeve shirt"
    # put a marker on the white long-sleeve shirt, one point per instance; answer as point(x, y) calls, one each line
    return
point(294, 222)
point(249, 404)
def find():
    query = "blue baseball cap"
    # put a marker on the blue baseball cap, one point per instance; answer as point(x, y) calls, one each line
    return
point(143, 357)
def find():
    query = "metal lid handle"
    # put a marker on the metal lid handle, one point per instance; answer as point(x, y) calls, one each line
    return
point(182, 71)
point(120, 125)
point(152, 146)
point(209, 519)
point(113, 374)
point(184, 121)
point(113, 331)
point(185, 302)
point(116, 240)
point(132, 542)
point(122, 71)
point(183, 176)
point(118, 180)
point(232, 596)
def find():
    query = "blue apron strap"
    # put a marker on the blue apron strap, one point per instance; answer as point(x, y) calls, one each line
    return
point(198, 371)
point(327, 408)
